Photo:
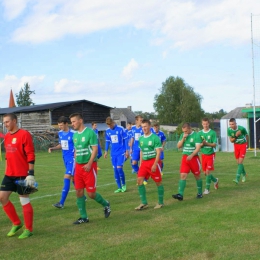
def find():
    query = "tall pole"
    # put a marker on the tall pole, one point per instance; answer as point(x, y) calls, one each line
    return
point(253, 69)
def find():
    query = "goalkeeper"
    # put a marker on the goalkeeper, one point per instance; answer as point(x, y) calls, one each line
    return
point(20, 159)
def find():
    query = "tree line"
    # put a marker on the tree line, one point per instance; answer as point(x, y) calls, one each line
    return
point(176, 102)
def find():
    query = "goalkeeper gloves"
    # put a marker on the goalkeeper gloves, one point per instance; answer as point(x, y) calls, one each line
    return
point(30, 180)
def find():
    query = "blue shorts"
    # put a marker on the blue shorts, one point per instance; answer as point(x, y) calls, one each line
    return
point(118, 160)
point(162, 155)
point(69, 167)
point(99, 154)
point(135, 155)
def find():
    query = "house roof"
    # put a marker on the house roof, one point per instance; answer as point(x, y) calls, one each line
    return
point(116, 112)
point(49, 106)
point(235, 113)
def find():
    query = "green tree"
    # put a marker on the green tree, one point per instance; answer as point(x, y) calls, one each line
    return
point(177, 102)
point(23, 98)
point(146, 115)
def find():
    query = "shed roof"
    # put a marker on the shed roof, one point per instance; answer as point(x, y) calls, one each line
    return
point(49, 106)
point(235, 113)
point(130, 115)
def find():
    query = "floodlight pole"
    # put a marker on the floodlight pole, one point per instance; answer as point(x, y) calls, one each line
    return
point(253, 69)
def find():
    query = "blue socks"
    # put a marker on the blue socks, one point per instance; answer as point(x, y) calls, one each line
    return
point(117, 178)
point(121, 175)
point(65, 191)
point(135, 167)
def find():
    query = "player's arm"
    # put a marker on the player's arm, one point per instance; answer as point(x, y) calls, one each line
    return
point(205, 143)
point(157, 159)
point(181, 141)
point(141, 157)
point(57, 147)
point(232, 139)
point(29, 151)
point(107, 145)
point(163, 144)
point(195, 152)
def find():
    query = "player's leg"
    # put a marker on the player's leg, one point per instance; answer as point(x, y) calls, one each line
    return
point(157, 178)
point(90, 184)
point(27, 215)
point(7, 187)
point(195, 169)
point(161, 161)
point(135, 160)
point(243, 148)
point(79, 186)
point(141, 188)
point(116, 174)
point(120, 163)
point(208, 167)
point(184, 170)
point(239, 165)
point(69, 170)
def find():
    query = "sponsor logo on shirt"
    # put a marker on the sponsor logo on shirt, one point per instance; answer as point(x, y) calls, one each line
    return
point(14, 141)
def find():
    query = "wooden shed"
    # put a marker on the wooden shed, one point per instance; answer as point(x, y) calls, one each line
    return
point(39, 118)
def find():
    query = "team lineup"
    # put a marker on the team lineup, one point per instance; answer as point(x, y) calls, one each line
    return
point(142, 144)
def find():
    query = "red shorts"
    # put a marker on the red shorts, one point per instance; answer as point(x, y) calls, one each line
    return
point(193, 165)
point(208, 162)
point(240, 150)
point(145, 170)
point(85, 179)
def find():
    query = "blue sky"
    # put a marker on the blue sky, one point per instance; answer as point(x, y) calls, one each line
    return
point(118, 53)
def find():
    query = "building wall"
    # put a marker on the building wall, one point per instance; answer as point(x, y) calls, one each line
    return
point(35, 121)
point(90, 112)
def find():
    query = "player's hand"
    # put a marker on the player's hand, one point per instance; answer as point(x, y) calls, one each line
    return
point(238, 133)
point(189, 157)
point(153, 169)
point(87, 167)
point(126, 154)
point(30, 180)
point(49, 150)
point(185, 135)
point(105, 155)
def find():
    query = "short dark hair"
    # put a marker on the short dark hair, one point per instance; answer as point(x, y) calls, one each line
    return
point(186, 125)
point(205, 119)
point(146, 121)
point(11, 115)
point(138, 116)
point(78, 115)
point(232, 119)
point(109, 120)
point(155, 124)
point(93, 123)
point(63, 119)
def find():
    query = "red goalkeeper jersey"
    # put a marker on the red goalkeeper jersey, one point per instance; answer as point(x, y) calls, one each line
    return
point(19, 152)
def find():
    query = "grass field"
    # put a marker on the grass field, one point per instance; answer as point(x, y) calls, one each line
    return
point(222, 225)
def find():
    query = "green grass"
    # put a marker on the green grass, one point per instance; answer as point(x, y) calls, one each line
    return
point(222, 225)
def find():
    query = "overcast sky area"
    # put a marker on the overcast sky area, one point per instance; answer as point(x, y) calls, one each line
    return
point(118, 53)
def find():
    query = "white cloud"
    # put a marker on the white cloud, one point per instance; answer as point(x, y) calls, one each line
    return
point(185, 24)
point(13, 8)
point(130, 68)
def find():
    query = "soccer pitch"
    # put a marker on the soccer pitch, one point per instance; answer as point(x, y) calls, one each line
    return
point(221, 225)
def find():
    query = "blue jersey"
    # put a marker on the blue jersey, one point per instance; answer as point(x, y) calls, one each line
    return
point(136, 133)
point(117, 137)
point(96, 131)
point(161, 135)
point(67, 145)
point(129, 136)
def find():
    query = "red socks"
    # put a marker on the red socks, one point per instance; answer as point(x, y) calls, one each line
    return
point(10, 211)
